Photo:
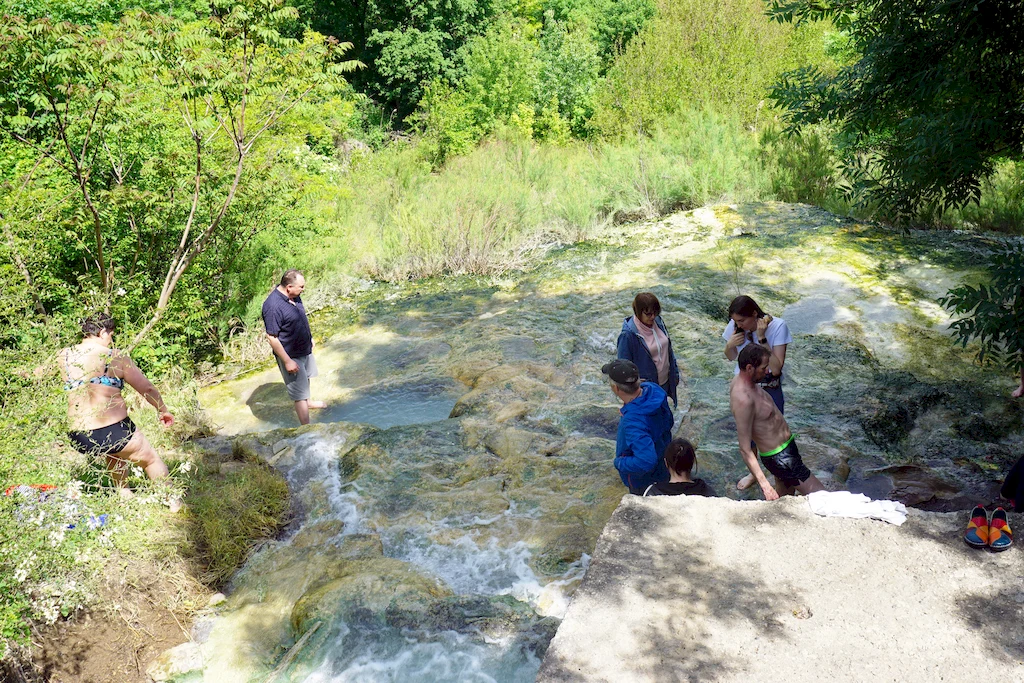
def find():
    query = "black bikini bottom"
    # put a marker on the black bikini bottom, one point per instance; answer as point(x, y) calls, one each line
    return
point(105, 440)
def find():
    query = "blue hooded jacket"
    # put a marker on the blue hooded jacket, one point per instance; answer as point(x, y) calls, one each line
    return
point(631, 347)
point(645, 429)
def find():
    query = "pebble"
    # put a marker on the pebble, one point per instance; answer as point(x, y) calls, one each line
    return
point(217, 599)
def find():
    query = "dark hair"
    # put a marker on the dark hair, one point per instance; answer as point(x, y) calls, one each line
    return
point(680, 456)
point(290, 276)
point(96, 323)
point(752, 354)
point(745, 306)
point(645, 302)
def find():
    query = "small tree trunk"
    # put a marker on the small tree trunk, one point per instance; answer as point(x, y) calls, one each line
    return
point(23, 269)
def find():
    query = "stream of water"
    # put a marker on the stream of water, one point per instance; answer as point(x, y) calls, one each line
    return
point(486, 519)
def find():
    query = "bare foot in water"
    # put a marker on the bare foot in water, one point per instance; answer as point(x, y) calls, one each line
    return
point(745, 482)
point(316, 404)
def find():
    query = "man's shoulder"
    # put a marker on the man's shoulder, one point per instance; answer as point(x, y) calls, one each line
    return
point(272, 298)
point(740, 394)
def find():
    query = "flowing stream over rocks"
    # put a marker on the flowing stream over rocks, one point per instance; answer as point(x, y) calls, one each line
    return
point(448, 499)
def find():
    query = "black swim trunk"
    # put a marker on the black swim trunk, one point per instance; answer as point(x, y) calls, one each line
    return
point(105, 440)
point(786, 464)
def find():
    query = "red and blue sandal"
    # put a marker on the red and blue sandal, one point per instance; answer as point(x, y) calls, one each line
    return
point(977, 534)
point(999, 535)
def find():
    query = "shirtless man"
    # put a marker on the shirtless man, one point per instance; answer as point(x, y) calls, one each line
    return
point(758, 419)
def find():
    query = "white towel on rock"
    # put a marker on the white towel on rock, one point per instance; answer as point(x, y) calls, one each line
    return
point(846, 504)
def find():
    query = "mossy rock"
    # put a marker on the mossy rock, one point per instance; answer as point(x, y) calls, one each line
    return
point(491, 616)
point(601, 422)
point(364, 590)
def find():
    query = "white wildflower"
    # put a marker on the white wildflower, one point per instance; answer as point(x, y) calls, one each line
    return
point(21, 574)
point(121, 291)
point(74, 489)
point(137, 471)
point(56, 538)
point(186, 466)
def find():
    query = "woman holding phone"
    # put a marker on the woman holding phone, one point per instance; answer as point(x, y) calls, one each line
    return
point(748, 324)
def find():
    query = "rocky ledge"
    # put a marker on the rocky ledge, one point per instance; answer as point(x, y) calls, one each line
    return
point(710, 589)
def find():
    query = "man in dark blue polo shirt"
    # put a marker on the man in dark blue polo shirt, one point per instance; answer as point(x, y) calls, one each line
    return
point(288, 332)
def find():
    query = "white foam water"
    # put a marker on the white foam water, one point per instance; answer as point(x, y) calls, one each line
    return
point(452, 657)
point(473, 559)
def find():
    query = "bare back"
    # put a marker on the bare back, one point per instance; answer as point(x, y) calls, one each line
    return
point(90, 405)
point(753, 406)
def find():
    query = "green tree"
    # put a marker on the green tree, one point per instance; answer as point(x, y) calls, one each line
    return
point(570, 67)
point(156, 128)
point(993, 312)
point(610, 23)
point(932, 99)
point(695, 54)
point(405, 43)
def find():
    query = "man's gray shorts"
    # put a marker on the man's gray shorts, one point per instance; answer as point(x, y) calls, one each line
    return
point(298, 384)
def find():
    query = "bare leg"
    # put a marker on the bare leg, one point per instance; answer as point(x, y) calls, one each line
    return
point(810, 485)
point(1019, 391)
point(784, 490)
point(302, 410)
point(316, 405)
point(140, 452)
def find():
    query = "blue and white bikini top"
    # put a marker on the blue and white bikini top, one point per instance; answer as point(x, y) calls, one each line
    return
point(103, 380)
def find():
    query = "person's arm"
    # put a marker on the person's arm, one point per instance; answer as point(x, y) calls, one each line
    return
point(743, 411)
point(272, 325)
point(777, 359)
point(643, 458)
point(732, 342)
point(622, 347)
point(140, 383)
point(291, 366)
point(57, 362)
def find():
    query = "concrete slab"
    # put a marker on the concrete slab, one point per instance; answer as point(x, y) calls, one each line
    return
point(711, 589)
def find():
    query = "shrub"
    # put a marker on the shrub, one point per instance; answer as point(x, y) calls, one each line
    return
point(992, 313)
point(693, 54)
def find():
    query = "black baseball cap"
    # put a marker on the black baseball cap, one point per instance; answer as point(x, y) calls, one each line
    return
point(621, 371)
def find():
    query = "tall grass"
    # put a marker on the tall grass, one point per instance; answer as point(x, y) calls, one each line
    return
point(482, 212)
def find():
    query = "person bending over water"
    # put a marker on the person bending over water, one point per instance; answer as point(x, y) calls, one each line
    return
point(760, 421)
point(680, 459)
point(748, 324)
point(94, 375)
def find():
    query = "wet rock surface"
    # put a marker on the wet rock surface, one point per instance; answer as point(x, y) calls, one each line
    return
point(505, 494)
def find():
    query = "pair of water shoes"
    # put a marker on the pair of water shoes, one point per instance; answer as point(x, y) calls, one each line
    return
point(985, 532)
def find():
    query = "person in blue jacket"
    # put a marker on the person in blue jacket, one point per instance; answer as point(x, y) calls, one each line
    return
point(644, 341)
point(645, 427)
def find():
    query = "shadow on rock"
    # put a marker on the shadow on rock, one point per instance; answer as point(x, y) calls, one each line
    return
point(692, 594)
point(270, 403)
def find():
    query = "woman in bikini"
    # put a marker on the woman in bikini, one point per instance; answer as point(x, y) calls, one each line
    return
point(94, 375)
